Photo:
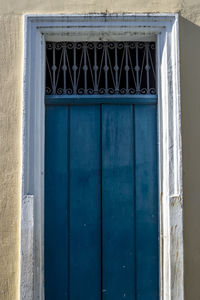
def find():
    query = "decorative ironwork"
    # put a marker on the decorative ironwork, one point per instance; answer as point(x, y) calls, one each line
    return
point(89, 68)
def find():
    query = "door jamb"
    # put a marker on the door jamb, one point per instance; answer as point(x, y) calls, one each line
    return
point(160, 27)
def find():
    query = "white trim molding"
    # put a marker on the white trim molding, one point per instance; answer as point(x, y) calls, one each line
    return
point(162, 28)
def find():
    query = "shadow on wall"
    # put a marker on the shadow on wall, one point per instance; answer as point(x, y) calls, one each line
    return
point(190, 97)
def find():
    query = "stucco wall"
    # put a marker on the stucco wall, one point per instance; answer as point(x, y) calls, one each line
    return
point(11, 45)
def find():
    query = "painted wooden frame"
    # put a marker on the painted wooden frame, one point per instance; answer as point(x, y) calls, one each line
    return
point(162, 28)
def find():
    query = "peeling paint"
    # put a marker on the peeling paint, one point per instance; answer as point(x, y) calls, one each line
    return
point(176, 245)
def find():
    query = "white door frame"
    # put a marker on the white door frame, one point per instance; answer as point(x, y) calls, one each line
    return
point(163, 28)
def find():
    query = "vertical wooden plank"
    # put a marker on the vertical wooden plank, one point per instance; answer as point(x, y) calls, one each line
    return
point(85, 203)
point(118, 202)
point(146, 178)
point(56, 199)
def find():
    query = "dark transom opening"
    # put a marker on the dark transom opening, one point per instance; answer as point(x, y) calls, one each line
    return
point(89, 68)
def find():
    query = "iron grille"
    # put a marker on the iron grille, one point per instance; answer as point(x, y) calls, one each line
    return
point(89, 68)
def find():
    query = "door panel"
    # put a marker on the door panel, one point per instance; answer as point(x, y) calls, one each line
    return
point(101, 203)
point(85, 203)
point(56, 203)
point(146, 185)
point(118, 249)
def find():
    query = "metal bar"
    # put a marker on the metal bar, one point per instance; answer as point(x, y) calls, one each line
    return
point(74, 68)
point(106, 69)
point(147, 67)
point(54, 70)
point(48, 89)
point(121, 65)
point(139, 96)
point(131, 67)
point(85, 67)
point(116, 68)
point(141, 70)
point(137, 68)
point(90, 68)
point(95, 69)
point(127, 68)
point(93, 99)
point(64, 68)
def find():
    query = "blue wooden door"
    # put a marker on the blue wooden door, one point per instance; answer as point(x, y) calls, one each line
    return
point(101, 200)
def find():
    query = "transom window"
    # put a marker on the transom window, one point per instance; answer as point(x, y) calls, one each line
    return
point(100, 68)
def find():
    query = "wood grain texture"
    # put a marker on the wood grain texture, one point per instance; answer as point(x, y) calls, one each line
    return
point(118, 202)
point(101, 209)
point(146, 183)
point(85, 203)
point(56, 203)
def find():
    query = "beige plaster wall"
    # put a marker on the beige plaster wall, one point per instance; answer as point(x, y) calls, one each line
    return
point(11, 43)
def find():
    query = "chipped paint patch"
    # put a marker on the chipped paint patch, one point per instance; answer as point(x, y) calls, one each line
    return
point(176, 246)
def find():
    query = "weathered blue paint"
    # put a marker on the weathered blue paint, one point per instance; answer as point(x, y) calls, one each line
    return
point(101, 202)
point(56, 203)
point(85, 203)
point(146, 207)
point(97, 99)
point(118, 202)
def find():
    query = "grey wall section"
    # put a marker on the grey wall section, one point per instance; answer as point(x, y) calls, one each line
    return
point(190, 97)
